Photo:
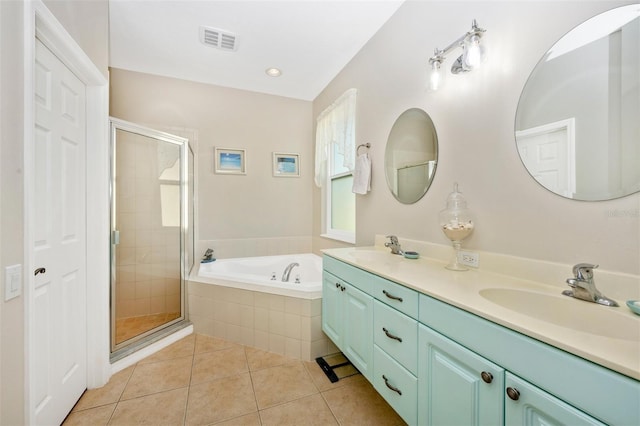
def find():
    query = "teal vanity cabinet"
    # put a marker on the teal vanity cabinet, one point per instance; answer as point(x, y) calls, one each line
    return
point(347, 319)
point(528, 405)
point(437, 364)
point(457, 386)
point(369, 325)
point(395, 349)
point(542, 384)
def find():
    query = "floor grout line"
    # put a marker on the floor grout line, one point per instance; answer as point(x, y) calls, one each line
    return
point(263, 359)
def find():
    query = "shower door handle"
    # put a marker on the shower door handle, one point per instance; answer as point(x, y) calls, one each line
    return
point(115, 238)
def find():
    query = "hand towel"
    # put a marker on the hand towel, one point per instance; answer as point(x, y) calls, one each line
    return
point(362, 175)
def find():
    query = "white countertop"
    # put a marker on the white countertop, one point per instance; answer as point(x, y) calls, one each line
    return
point(595, 337)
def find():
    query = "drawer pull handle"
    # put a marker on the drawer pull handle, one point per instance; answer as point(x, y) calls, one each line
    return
point(337, 285)
point(342, 288)
point(393, 388)
point(513, 393)
point(391, 296)
point(391, 336)
point(486, 377)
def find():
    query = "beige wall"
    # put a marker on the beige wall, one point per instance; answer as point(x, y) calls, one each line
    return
point(87, 21)
point(474, 118)
point(231, 207)
point(12, 354)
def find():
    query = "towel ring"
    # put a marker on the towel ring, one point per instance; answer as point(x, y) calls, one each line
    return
point(366, 145)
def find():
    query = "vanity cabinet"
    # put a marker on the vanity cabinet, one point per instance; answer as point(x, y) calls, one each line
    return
point(528, 405)
point(395, 361)
point(437, 364)
point(347, 319)
point(457, 386)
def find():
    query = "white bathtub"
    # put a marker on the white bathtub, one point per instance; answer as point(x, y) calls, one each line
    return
point(255, 274)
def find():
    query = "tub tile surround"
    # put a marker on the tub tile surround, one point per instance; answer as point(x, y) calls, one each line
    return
point(252, 247)
point(463, 290)
point(280, 324)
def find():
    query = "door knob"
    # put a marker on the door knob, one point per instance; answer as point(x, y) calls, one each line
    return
point(39, 271)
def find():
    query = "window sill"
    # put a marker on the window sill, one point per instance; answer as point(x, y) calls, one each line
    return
point(344, 237)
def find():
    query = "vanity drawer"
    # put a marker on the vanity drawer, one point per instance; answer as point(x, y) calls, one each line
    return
point(397, 334)
point(397, 296)
point(396, 385)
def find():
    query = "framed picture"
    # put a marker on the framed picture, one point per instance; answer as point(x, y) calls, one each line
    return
point(286, 165)
point(230, 161)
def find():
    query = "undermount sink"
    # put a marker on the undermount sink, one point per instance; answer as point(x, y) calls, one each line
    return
point(567, 312)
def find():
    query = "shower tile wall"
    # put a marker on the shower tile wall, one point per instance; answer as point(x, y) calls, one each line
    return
point(148, 256)
point(250, 247)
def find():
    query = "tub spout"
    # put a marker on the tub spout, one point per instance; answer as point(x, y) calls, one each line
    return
point(287, 271)
point(208, 256)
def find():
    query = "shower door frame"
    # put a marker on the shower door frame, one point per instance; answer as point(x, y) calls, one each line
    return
point(120, 350)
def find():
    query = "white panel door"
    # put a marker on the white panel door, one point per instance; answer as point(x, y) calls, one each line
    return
point(58, 335)
point(547, 152)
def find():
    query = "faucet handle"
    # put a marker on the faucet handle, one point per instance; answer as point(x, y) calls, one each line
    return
point(393, 238)
point(584, 271)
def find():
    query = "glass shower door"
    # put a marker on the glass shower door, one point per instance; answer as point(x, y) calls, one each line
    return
point(148, 219)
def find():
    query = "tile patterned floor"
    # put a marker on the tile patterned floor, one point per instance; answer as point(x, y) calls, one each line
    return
point(126, 328)
point(202, 380)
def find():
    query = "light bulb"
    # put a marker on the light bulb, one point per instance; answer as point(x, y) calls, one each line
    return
point(472, 56)
point(435, 80)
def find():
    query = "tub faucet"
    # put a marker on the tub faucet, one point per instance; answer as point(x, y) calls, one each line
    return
point(584, 287)
point(393, 244)
point(208, 256)
point(287, 271)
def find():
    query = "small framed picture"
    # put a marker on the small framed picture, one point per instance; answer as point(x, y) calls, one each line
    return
point(230, 161)
point(286, 164)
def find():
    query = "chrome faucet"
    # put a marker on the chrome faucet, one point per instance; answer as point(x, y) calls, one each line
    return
point(287, 271)
point(584, 286)
point(393, 244)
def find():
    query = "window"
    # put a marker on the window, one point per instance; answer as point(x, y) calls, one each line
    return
point(335, 152)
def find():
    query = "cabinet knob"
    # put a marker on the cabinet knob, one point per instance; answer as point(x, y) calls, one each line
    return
point(337, 285)
point(513, 393)
point(486, 377)
point(342, 288)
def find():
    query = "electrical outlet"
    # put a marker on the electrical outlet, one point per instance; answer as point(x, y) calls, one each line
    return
point(469, 258)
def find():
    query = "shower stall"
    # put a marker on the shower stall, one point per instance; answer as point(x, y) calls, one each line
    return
point(151, 234)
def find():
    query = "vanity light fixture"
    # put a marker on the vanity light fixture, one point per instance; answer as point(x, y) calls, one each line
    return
point(471, 57)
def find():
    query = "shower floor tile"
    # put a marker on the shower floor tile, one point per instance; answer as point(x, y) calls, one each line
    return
point(127, 328)
point(206, 380)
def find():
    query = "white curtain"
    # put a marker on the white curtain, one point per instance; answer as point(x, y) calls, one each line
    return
point(336, 126)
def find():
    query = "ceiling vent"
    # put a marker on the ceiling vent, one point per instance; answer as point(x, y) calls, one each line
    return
point(218, 38)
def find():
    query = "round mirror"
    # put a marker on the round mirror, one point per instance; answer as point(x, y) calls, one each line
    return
point(577, 124)
point(411, 155)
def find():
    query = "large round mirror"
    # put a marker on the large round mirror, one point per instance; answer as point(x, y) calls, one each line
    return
point(578, 119)
point(411, 155)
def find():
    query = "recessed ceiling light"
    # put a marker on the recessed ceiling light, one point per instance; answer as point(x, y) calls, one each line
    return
point(273, 72)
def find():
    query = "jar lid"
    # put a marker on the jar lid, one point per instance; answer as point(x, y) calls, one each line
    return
point(455, 199)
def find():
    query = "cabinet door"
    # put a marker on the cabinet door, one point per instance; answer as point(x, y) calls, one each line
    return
point(332, 308)
point(358, 329)
point(527, 404)
point(455, 385)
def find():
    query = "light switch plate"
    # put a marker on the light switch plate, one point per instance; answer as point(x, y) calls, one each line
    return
point(12, 282)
